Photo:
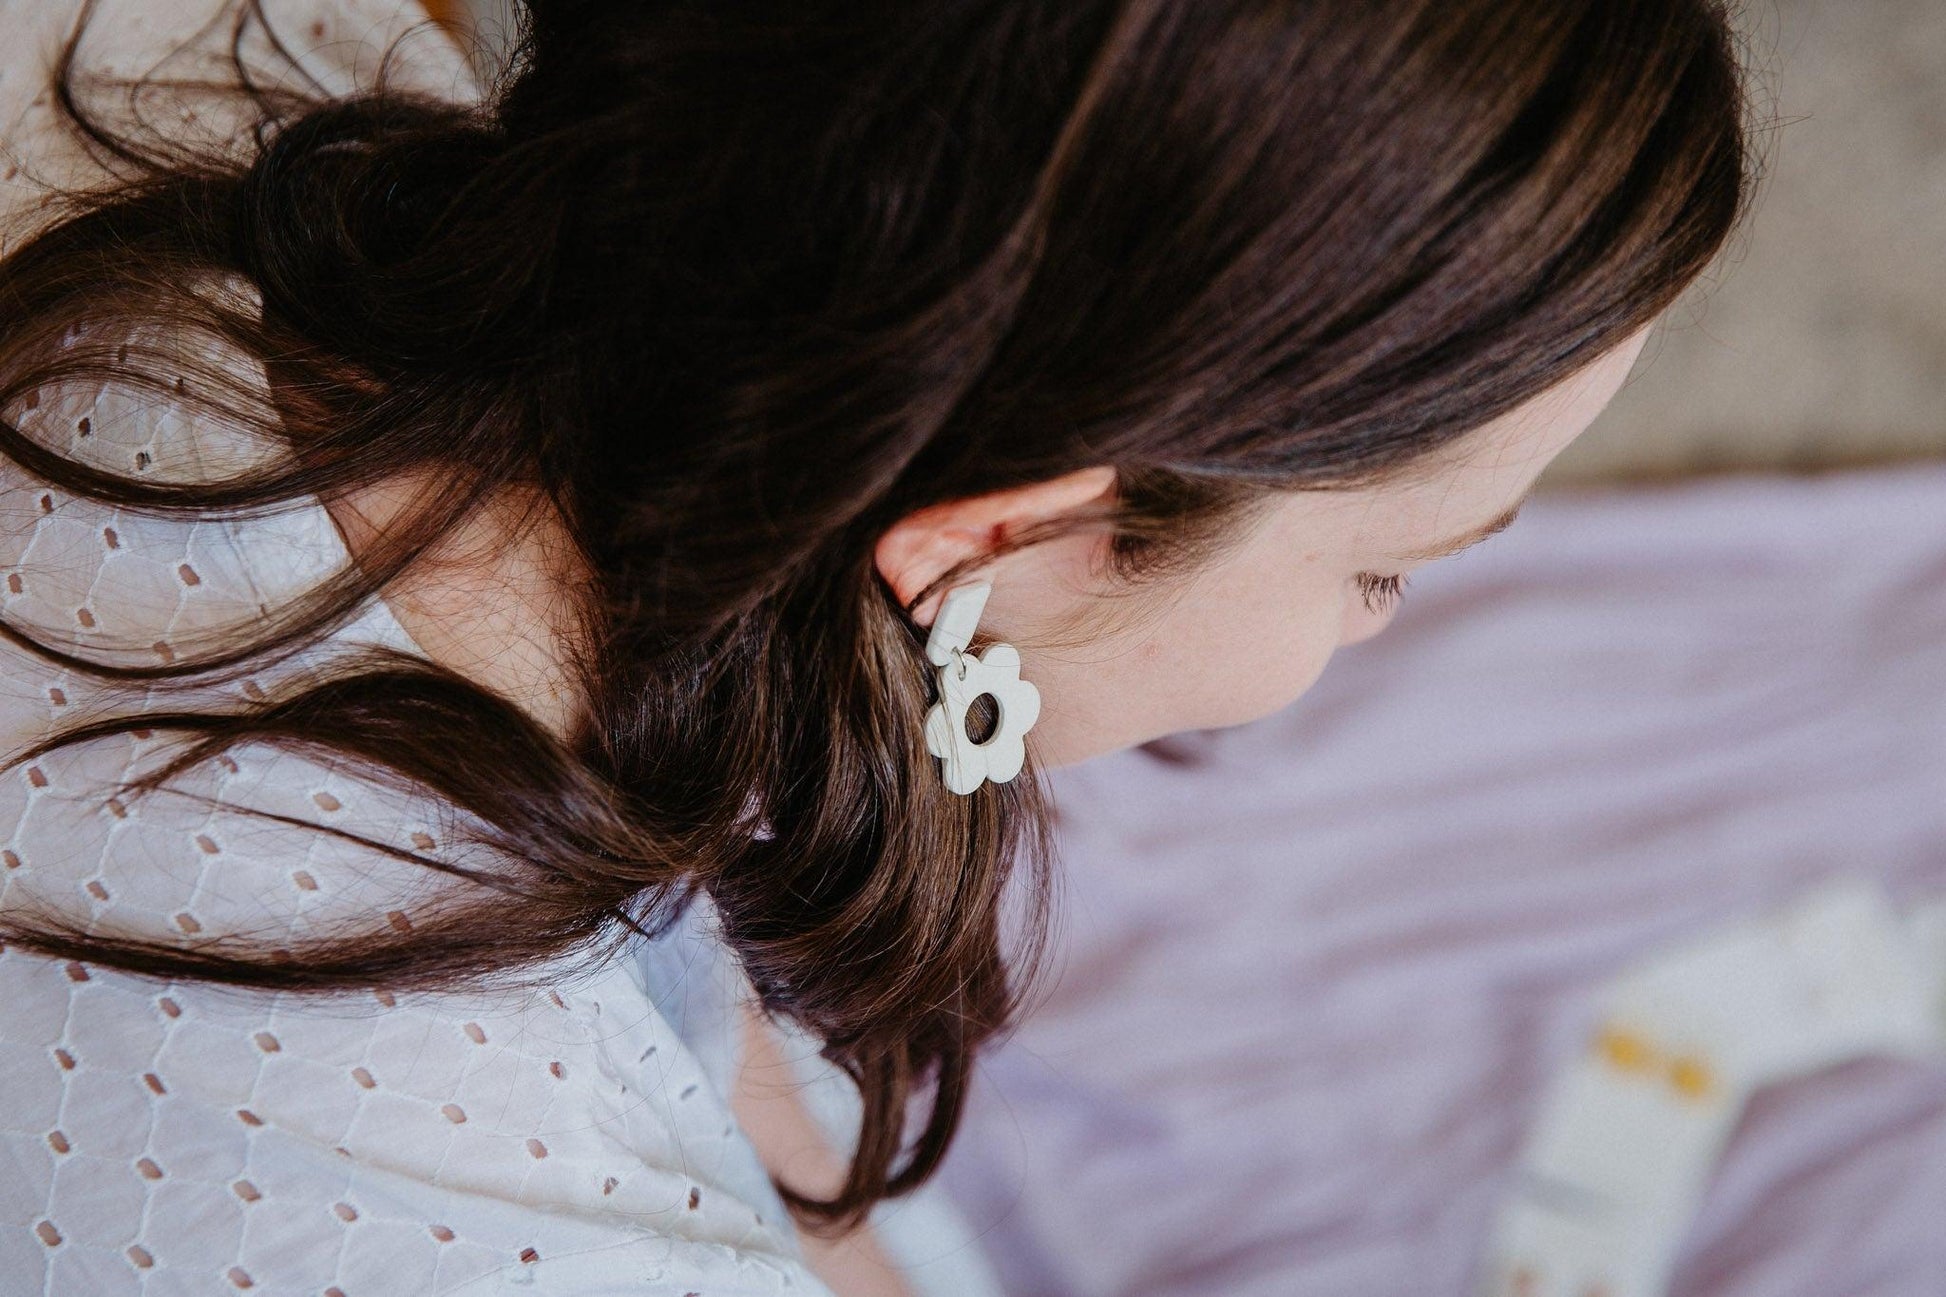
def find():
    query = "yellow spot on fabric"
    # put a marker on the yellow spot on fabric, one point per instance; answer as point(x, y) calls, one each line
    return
point(1691, 1077)
point(1625, 1051)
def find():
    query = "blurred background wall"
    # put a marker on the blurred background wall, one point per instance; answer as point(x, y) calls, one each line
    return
point(1824, 343)
point(1821, 342)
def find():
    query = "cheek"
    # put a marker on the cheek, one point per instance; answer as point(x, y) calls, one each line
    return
point(1361, 623)
point(1256, 684)
point(1226, 652)
point(1239, 655)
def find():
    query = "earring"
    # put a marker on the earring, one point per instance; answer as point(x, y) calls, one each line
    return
point(963, 677)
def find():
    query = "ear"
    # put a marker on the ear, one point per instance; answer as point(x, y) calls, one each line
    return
point(918, 547)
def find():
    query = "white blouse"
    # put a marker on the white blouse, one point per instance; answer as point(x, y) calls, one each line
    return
point(568, 1136)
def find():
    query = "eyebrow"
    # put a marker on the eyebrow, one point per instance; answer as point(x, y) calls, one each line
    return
point(1447, 549)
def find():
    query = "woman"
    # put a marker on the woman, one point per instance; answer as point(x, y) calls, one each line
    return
point(662, 399)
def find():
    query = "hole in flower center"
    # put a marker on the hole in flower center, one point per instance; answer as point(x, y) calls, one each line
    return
point(982, 717)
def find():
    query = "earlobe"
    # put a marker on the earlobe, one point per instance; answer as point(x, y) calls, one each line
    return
point(915, 550)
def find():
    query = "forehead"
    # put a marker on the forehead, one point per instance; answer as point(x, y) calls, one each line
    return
point(1474, 478)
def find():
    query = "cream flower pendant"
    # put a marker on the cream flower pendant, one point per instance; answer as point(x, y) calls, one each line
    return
point(963, 677)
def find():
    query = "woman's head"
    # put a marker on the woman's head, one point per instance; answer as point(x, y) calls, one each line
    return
point(1215, 270)
point(1251, 626)
point(1208, 310)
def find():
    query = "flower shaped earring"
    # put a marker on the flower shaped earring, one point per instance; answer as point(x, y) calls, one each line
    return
point(963, 677)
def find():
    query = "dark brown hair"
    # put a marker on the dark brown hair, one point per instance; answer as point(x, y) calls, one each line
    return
point(736, 286)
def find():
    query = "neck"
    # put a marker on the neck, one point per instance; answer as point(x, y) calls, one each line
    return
point(491, 601)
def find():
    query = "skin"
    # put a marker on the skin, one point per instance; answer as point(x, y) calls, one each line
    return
point(1243, 637)
point(1250, 632)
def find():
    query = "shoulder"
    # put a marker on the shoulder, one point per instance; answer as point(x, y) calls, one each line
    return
point(570, 1135)
point(376, 1143)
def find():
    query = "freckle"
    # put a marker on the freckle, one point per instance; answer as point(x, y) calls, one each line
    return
point(12, 860)
point(206, 844)
point(267, 1042)
point(182, 385)
point(65, 1059)
point(454, 1113)
point(148, 1170)
point(96, 890)
point(248, 1117)
point(48, 1234)
point(57, 696)
point(246, 1191)
point(529, 1255)
point(398, 920)
point(57, 1141)
point(85, 427)
point(363, 1077)
point(111, 537)
point(560, 1073)
point(475, 1033)
point(252, 690)
point(536, 1149)
point(140, 734)
point(116, 809)
point(76, 973)
point(695, 1198)
point(142, 460)
point(423, 841)
point(36, 777)
point(187, 922)
point(345, 1212)
point(326, 801)
point(139, 1255)
point(608, 1185)
point(188, 575)
point(441, 1233)
point(386, 998)
point(154, 1082)
point(14, 583)
point(47, 504)
point(85, 617)
point(170, 1007)
point(304, 881)
point(240, 1277)
point(33, 401)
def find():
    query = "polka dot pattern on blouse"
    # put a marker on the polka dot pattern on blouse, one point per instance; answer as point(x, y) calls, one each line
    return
point(565, 1136)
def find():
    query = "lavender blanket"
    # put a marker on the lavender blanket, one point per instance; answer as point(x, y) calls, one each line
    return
point(1315, 971)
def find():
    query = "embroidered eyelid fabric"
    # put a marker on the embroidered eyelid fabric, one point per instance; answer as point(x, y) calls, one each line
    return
point(568, 1136)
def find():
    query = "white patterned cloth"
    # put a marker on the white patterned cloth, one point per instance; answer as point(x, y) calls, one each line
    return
point(571, 1137)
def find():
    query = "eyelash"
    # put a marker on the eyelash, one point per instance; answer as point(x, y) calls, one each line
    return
point(1380, 592)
